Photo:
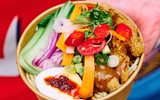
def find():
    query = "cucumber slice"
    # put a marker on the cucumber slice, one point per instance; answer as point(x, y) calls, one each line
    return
point(106, 50)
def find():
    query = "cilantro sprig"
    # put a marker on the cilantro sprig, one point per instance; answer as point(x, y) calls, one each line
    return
point(97, 17)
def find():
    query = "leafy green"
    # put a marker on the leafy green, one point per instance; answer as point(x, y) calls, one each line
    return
point(45, 21)
point(97, 17)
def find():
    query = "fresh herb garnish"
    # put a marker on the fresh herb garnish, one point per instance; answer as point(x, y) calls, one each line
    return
point(96, 16)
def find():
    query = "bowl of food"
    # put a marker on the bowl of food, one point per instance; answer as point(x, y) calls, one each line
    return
point(80, 50)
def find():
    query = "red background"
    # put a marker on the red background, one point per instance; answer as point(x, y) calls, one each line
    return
point(13, 88)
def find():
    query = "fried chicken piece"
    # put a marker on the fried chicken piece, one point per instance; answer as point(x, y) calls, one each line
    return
point(135, 46)
point(122, 70)
point(118, 48)
point(106, 79)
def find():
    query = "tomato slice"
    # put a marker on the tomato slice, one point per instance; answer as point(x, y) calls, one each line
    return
point(102, 31)
point(75, 39)
point(90, 7)
point(91, 46)
point(124, 30)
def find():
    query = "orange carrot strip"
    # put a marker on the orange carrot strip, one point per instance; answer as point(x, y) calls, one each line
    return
point(87, 86)
point(117, 35)
point(60, 44)
point(82, 30)
point(66, 59)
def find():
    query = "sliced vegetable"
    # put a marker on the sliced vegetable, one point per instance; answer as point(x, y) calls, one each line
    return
point(45, 21)
point(75, 39)
point(117, 35)
point(106, 50)
point(31, 53)
point(101, 59)
point(67, 59)
point(82, 30)
point(79, 69)
point(77, 59)
point(91, 46)
point(71, 69)
point(90, 7)
point(49, 49)
point(60, 44)
point(113, 61)
point(102, 31)
point(124, 31)
point(87, 86)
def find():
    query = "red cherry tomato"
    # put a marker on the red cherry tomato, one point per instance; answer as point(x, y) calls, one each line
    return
point(102, 31)
point(90, 7)
point(124, 30)
point(91, 46)
point(75, 39)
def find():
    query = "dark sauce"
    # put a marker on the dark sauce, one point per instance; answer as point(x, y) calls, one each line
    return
point(64, 84)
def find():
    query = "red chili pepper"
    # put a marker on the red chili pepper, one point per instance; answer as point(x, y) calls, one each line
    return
point(102, 31)
point(124, 30)
point(91, 46)
point(90, 7)
point(75, 39)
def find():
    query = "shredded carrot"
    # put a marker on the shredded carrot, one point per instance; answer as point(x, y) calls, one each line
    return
point(60, 44)
point(117, 35)
point(82, 30)
point(66, 59)
point(87, 86)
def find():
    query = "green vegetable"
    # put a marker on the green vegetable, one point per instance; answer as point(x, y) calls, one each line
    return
point(96, 55)
point(45, 21)
point(106, 50)
point(79, 68)
point(34, 39)
point(101, 59)
point(37, 43)
point(71, 69)
point(87, 34)
point(77, 59)
point(97, 17)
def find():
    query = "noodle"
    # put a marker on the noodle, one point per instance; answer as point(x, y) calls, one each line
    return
point(98, 95)
point(134, 66)
point(31, 79)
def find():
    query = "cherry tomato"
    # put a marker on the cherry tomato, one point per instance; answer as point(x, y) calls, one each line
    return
point(75, 39)
point(90, 7)
point(91, 46)
point(124, 30)
point(102, 31)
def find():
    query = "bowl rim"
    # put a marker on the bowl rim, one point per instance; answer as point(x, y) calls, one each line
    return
point(22, 73)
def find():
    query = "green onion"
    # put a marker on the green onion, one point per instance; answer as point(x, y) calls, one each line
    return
point(77, 59)
point(79, 69)
point(101, 59)
point(71, 69)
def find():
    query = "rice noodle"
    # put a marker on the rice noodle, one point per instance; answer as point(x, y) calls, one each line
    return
point(31, 79)
point(134, 66)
